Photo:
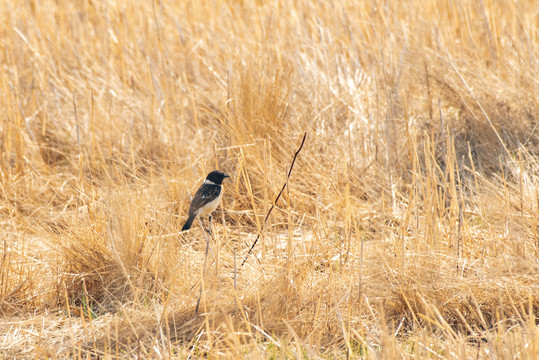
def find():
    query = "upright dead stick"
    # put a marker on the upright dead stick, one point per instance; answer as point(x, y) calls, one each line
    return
point(277, 198)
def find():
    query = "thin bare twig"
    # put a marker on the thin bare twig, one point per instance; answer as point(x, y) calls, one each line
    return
point(277, 198)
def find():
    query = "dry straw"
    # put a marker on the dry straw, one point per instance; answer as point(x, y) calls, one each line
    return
point(408, 229)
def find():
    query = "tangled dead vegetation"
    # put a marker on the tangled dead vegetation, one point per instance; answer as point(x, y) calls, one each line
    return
point(407, 228)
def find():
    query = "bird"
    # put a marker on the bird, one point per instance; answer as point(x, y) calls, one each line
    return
point(206, 199)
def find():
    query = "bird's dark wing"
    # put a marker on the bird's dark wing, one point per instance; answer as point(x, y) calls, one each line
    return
point(204, 195)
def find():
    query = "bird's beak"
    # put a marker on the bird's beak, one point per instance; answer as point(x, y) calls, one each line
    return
point(226, 175)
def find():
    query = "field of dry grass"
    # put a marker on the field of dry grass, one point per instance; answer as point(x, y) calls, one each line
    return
point(409, 226)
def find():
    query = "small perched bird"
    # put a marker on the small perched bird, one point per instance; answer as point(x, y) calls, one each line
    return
point(206, 199)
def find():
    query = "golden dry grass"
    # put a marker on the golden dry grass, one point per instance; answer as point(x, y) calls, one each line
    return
point(409, 226)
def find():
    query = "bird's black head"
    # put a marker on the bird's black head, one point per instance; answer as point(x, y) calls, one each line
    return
point(216, 177)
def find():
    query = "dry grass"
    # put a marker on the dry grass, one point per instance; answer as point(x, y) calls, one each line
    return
point(409, 226)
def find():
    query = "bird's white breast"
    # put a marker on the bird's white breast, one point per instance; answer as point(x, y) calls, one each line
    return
point(211, 206)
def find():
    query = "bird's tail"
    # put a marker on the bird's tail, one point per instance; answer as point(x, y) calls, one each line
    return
point(189, 222)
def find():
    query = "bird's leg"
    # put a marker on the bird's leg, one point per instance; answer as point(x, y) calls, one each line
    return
point(209, 229)
point(202, 222)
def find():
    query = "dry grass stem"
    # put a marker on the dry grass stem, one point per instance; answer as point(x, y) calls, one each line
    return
point(410, 228)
